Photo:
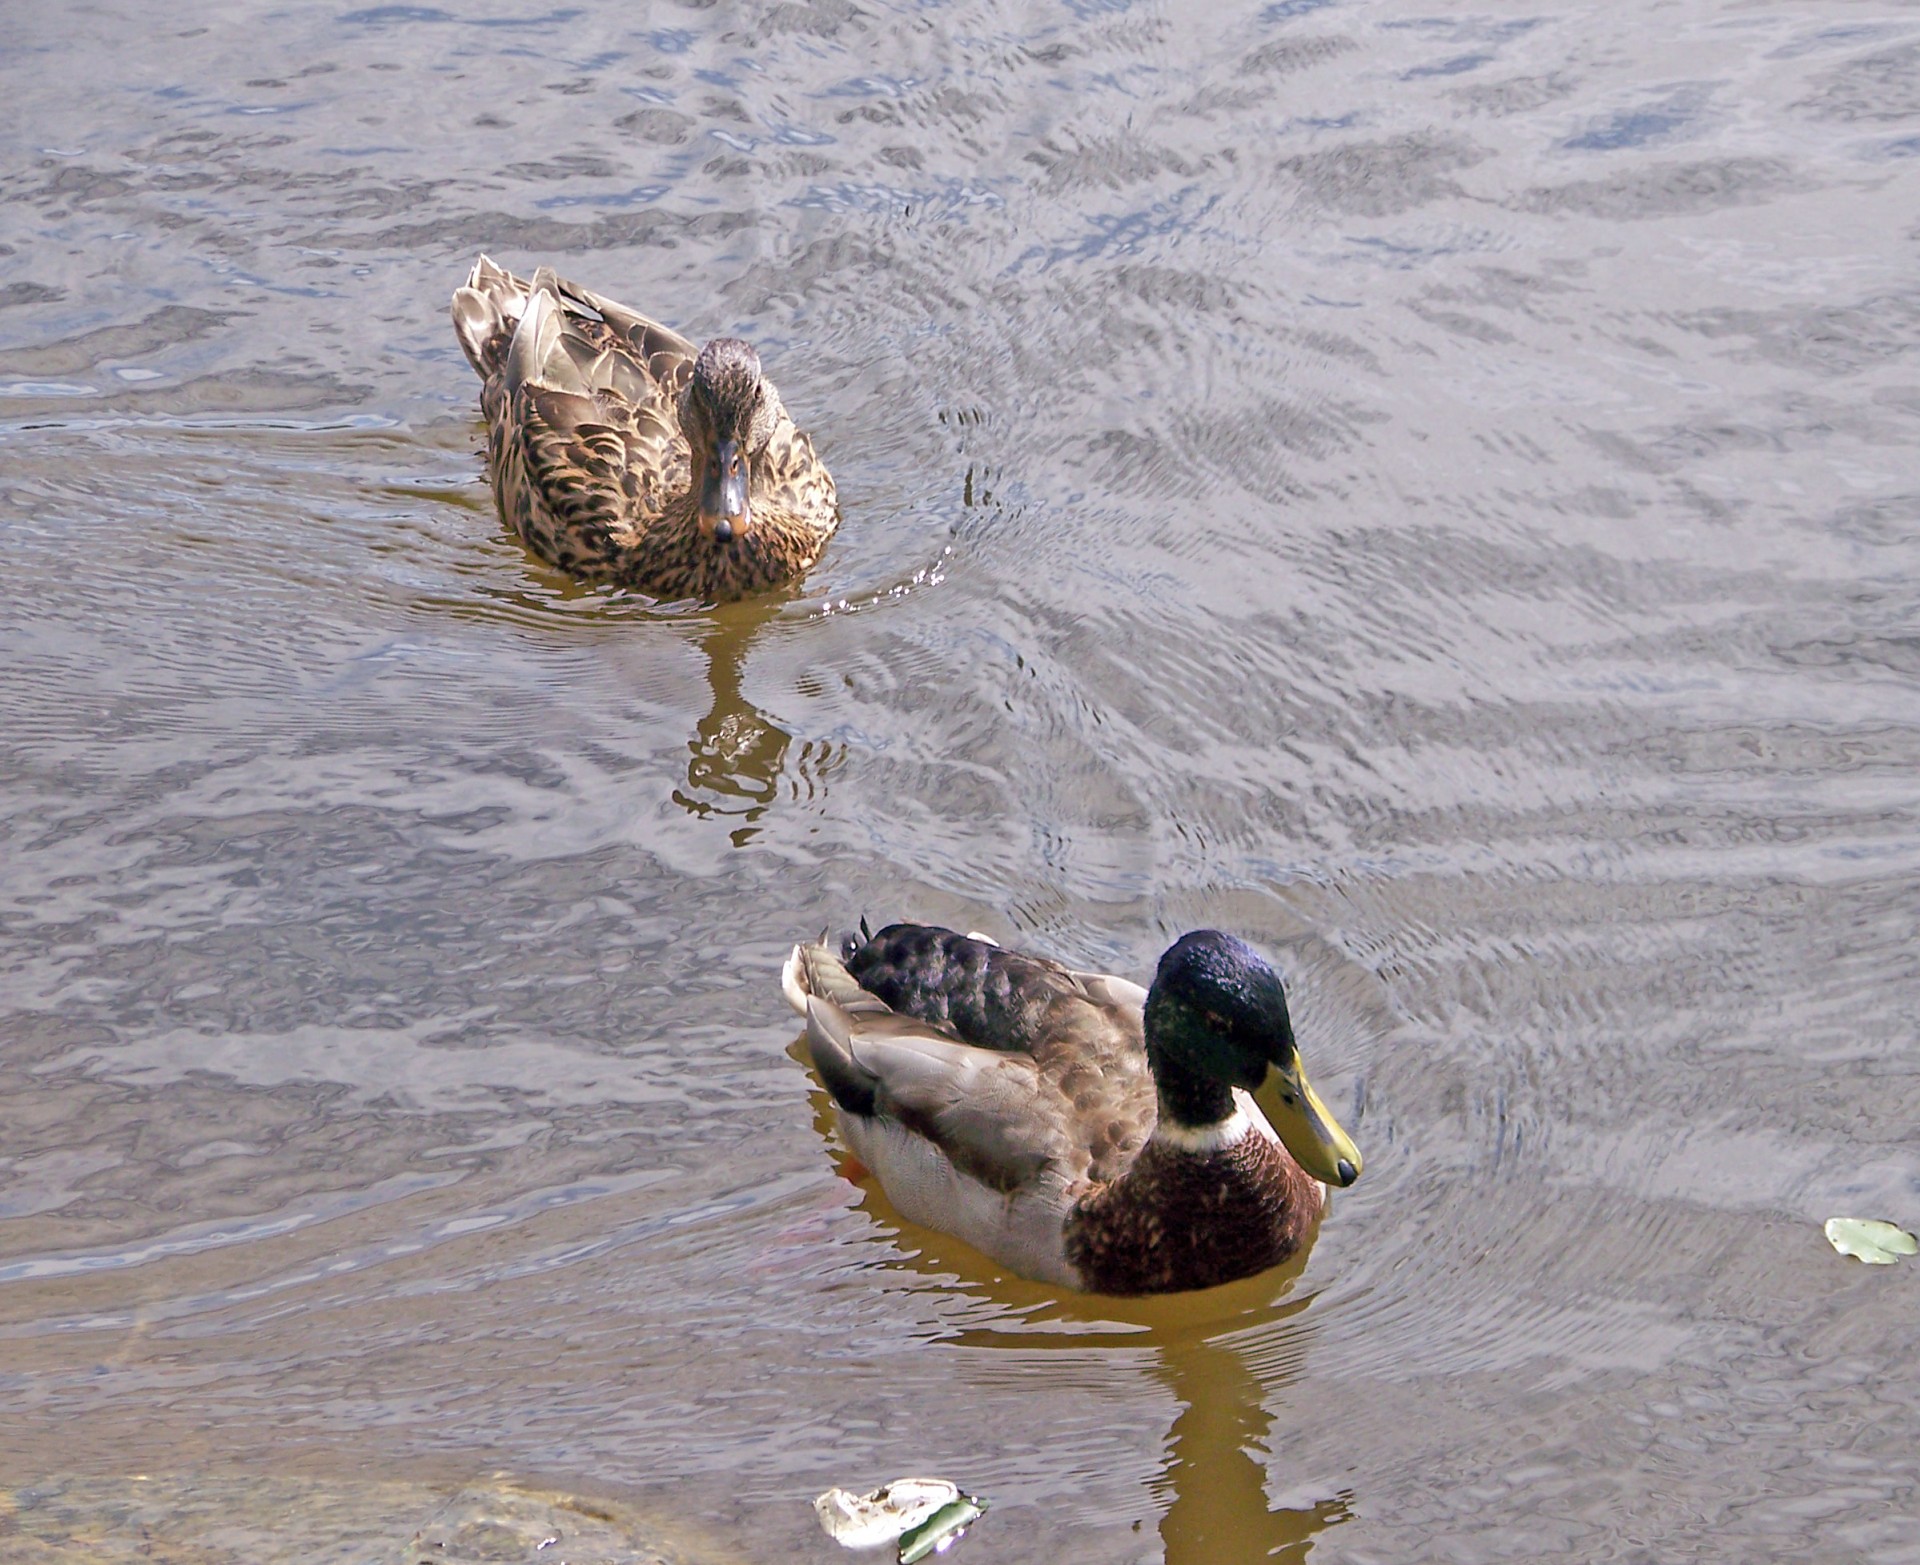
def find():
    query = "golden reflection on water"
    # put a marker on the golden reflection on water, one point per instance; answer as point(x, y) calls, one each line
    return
point(1224, 1354)
point(1214, 1483)
point(737, 753)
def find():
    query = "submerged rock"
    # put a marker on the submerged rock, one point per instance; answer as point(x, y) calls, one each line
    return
point(188, 1520)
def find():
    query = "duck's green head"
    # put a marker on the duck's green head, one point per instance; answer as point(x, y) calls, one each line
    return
point(1216, 1019)
point(728, 413)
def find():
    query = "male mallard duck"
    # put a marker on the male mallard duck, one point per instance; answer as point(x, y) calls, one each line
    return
point(624, 455)
point(1075, 1127)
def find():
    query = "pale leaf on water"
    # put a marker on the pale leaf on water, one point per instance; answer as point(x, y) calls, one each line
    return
point(1869, 1240)
point(922, 1515)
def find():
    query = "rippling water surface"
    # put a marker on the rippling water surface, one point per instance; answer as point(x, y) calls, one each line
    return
point(1434, 492)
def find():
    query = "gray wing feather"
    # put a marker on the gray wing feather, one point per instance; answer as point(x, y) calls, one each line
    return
point(993, 1114)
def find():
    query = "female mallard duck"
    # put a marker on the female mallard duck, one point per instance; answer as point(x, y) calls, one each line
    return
point(623, 455)
point(1075, 1127)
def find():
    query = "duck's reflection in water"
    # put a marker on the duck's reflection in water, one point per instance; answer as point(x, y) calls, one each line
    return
point(1214, 1483)
point(737, 759)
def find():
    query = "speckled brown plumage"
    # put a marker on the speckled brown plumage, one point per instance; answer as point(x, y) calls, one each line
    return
point(590, 408)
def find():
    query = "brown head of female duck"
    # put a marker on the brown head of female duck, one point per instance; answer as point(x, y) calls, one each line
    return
point(730, 414)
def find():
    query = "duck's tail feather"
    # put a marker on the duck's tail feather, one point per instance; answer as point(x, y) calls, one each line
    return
point(486, 312)
point(536, 357)
point(830, 1044)
point(813, 970)
point(818, 986)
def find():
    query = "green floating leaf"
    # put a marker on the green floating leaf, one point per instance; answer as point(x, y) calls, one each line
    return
point(940, 1531)
point(924, 1515)
point(1875, 1242)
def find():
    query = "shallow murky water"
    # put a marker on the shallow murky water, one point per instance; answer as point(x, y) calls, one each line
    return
point(1433, 492)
